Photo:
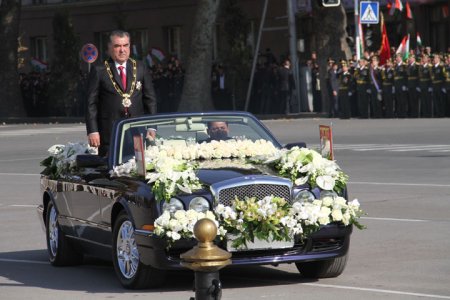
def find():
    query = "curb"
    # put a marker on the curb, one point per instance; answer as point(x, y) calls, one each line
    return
point(66, 120)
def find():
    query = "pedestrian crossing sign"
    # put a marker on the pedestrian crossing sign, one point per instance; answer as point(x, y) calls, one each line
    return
point(369, 12)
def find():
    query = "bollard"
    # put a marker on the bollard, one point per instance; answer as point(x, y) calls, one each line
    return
point(206, 259)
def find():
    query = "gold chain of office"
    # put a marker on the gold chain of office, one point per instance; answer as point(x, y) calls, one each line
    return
point(126, 97)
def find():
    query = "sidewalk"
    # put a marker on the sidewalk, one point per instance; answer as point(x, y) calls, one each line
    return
point(65, 120)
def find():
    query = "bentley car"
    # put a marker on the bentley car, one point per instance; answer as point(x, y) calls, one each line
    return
point(272, 203)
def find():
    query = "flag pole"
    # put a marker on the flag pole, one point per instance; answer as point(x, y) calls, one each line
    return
point(357, 36)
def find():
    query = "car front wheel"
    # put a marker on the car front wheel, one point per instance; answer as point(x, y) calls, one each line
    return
point(60, 251)
point(323, 268)
point(132, 273)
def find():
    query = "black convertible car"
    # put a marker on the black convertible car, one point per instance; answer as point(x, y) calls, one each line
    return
point(106, 207)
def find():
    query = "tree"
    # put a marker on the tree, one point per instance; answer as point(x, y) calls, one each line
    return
point(10, 95)
point(64, 68)
point(331, 41)
point(237, 54)
point(196, 95)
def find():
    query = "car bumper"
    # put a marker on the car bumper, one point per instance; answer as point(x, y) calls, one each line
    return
point(329, 242)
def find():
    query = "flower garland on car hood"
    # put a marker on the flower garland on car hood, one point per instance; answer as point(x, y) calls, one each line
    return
point(172, 168)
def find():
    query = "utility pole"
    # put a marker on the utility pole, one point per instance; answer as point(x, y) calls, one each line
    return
point(293, 49)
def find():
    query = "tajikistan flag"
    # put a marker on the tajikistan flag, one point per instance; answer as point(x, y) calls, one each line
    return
point(403, 49)
point(418, 40)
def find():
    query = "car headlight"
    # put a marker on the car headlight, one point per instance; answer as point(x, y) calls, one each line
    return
point(173, 205)
point(199, 204)
point(324, 194)
point(304, 196)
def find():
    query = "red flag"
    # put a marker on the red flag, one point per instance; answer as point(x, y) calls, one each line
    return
point(409, 14)
point(385, 49)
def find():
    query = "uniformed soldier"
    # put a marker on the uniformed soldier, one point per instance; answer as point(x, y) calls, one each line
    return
point(401, 90)
point(413, 87)
point(426, 94)
point(437, 82)
point(376, 87)
point(447, 82)
point(387, 75)
point(363, 88)
point(346, 86)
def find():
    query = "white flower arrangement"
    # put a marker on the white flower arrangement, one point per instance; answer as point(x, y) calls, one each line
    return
point(269, 219)
point(181, 224)
point(62, 159)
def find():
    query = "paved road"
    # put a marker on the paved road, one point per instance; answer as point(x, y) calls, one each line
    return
point(399, 170)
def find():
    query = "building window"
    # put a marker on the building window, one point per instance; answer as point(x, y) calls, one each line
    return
point(174, 41)
point(39, 48)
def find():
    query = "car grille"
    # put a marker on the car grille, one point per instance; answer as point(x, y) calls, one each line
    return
point(257, 187)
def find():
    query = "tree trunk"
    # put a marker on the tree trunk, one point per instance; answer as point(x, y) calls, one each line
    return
point(330, 24)
point(196, 94)
point(10, 96)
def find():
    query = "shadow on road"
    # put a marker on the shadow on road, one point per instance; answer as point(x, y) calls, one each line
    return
point(31, 268)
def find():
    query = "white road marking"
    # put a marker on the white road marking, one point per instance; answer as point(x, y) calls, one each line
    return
point(27, 261)
point(399, 184)
point(18, 174)
point(343, 287)
point(22, 159)
point(24, 205)
point(394, 219)
point(36, 131)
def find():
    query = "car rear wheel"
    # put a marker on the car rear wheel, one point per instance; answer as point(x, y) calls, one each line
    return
point(132, 273)
point(60, 251)
point(323, 268)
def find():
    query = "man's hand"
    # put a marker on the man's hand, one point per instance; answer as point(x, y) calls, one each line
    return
point(94, 139)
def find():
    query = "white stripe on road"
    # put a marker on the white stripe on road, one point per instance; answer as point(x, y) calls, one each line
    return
point(343, 287)
point(18, 174)
point(24, 261)
point(21, 159)
point(394, 219)
point(24, 205)
point(399, 184)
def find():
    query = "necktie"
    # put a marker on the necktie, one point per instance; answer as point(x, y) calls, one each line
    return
point(123, 77)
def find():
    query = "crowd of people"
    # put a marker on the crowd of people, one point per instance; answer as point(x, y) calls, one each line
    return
point(416, 86)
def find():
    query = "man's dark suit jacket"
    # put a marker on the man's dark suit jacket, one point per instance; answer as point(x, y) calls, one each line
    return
point(104, 104)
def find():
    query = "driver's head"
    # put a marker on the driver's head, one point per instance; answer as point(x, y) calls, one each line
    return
point(218, 130)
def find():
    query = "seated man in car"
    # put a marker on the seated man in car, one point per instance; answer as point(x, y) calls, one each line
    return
point(217, 131)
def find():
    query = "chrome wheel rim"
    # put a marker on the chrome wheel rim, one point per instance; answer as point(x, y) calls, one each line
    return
point(127, 252)
point(53, 231)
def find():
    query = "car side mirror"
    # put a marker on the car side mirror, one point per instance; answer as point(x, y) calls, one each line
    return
point(91, 161)
point(292, 145)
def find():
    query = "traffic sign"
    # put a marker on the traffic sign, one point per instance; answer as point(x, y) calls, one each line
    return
point(369, 12)
point(89, 53)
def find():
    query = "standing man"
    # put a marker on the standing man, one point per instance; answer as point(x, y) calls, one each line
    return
point(363, 88)
point(438, 84)
point(333, 79)
point(401, 89)
point(413, 87)
point(447, 82)
point(345, 91)
point(376, 104)
point(119, 88)
point(426, 95)
point(387, 75)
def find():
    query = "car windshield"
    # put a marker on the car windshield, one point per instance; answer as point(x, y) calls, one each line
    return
point(186, 129)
